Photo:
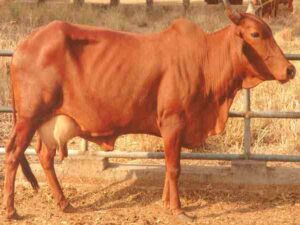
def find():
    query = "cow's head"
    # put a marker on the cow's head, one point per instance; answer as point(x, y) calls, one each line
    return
point(262, 59)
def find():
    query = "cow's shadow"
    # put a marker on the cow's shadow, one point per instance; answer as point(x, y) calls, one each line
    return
point(140, 192)
point(124, 193)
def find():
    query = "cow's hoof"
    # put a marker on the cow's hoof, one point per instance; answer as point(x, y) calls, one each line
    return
point(185, 218)
point(69, 209)
point(166, 204)
point(13, 215)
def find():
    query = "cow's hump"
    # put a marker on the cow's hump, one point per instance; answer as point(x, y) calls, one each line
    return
point(184, 26)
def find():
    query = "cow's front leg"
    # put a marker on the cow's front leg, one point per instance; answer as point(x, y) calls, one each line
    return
point(46, 157)
point(171, 128)
point(166, 193)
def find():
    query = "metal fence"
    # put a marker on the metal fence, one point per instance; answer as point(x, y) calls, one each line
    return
point(247, 114)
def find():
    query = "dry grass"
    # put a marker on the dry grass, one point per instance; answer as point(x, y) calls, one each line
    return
point(280, 136)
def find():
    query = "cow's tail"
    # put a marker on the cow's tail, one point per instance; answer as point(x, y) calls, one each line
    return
point(28, 173)
point(23, 161)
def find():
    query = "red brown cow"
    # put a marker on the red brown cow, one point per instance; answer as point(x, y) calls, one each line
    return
point(73, 80)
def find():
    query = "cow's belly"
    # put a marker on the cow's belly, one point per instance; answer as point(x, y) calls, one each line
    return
point(112, 104)
point(104, 122)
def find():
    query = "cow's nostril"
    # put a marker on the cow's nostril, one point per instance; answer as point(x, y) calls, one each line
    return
point(291, 71)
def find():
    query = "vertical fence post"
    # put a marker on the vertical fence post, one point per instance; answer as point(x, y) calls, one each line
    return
point(84, 146)
point(247, 124)
point(149, 4)
point(260, 9)
point(186, 4)
point(77, 3)
point(114, 2)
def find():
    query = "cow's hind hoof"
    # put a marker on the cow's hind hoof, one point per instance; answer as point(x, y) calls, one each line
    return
point(69, 209)
point(13, 215)
point(185, 218)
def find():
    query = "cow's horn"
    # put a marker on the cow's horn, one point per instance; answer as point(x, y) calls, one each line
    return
point(251, 8)
point(233, 15)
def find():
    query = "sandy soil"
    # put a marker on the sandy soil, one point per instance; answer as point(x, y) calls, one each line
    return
point(126, 203)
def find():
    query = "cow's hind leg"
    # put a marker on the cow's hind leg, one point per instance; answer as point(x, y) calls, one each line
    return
point(20, 139)
point(46, 157)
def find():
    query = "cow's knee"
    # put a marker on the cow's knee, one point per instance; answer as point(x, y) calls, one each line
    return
point(47, 163)
point(173, 173)
point(46, 157)
point(12, 161)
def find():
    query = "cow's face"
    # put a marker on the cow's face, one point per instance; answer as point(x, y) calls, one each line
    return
point(262, 59)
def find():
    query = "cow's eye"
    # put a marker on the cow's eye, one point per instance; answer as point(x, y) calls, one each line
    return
point(255, 35)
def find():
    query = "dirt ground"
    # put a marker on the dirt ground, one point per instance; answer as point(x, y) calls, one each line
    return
point(102, 202)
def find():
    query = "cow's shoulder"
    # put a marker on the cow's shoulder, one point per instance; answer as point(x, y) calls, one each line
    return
point(185, 26)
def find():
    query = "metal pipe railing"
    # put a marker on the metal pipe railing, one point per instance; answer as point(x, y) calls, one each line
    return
point(247, 124)
point(232, 114)
point(199, 156)
point(184, 155)
point(5, 109)
point(6, 53)
point(9, 53)
point(266, 115)
point(247, 115)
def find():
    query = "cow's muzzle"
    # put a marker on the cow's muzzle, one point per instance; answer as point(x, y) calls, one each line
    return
point(291, 72)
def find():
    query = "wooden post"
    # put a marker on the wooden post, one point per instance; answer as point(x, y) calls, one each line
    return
point(84, 145)
point(78, 2)
point(114, 2)
point(41, 1)
point(149, 4)
point(261, 8)
point(275, 7)
point(186, 4)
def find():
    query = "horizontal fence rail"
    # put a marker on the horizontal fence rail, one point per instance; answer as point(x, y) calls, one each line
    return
point(247, 115)
point(6, 53)
point(233, 114)
point(269, 114)
point(5, 109)
point(9, 53)
point(184, 155)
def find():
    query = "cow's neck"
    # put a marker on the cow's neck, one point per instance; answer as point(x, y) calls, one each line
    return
point(222, 65)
